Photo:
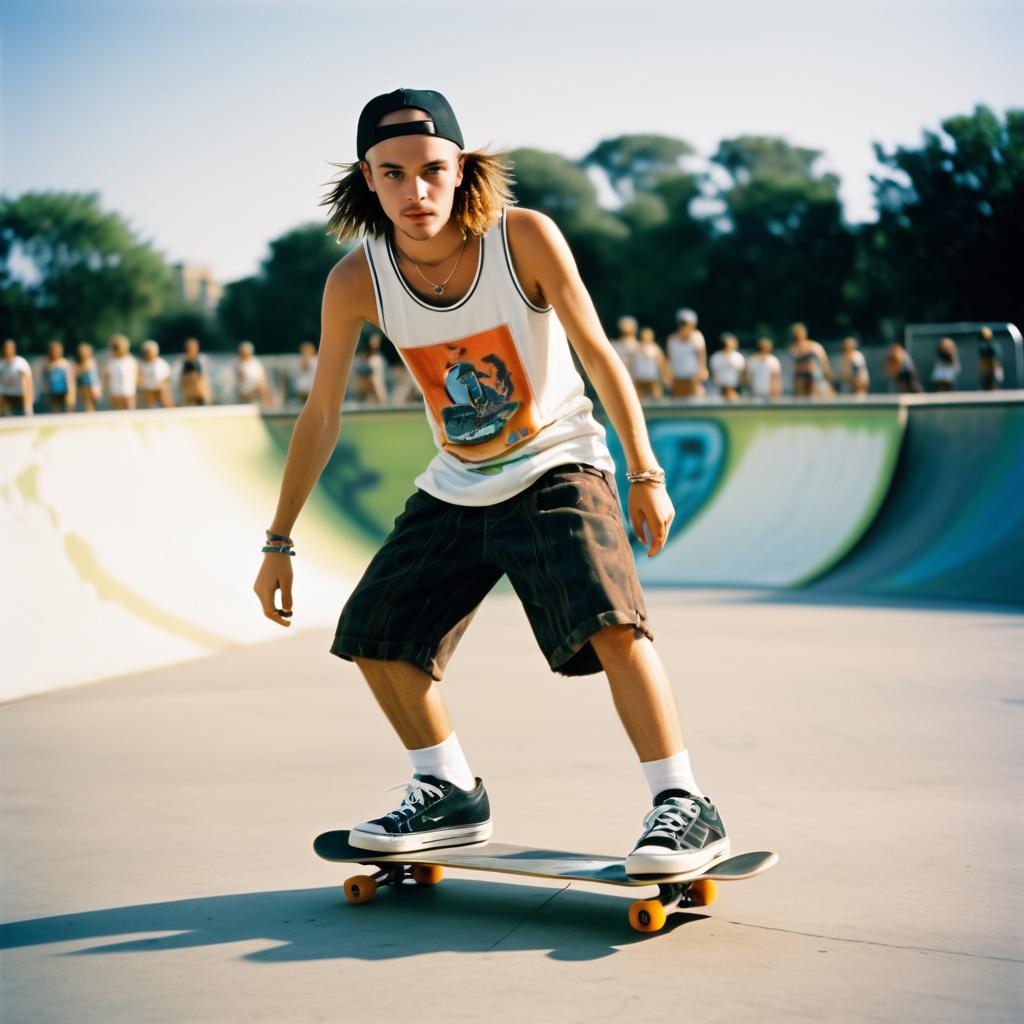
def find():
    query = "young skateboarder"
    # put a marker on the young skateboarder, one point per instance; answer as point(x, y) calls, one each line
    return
point(478, 299)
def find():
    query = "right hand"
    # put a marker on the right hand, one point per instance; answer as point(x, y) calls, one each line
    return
point(275, 574)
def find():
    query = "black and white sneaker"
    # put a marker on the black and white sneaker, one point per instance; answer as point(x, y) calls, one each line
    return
point(434, 813)
point(682, 833)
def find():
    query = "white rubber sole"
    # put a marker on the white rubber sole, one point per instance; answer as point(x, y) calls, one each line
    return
point(656, 860)
point(459, 835)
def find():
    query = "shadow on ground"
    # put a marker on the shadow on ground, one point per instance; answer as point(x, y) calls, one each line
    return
point(317, 924)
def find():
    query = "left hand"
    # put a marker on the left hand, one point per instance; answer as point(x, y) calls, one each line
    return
point(650, 507)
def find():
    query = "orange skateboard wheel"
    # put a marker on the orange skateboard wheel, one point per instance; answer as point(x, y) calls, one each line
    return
point(360, 889)
point(647, 916)
point(702, 892)
point(426, 874)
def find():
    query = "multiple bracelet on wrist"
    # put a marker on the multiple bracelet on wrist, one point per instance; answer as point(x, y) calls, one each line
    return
point(278, 544)
point(646, 476)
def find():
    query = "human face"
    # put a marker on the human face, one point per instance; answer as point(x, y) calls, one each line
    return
point(10, 350)
point(415, 178)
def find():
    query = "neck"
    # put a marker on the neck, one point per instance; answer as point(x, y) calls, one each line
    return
point(442, 247)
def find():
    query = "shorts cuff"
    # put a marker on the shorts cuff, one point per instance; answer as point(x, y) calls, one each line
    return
point(388, 650)
point(577, 657)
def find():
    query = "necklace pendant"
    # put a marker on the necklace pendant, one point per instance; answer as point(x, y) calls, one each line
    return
point(439, 289)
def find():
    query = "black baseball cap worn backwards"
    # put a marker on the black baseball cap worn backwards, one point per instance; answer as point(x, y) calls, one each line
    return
point(442, 123)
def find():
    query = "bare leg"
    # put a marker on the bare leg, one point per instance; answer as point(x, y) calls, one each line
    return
point(641, 690)
point(411, 699)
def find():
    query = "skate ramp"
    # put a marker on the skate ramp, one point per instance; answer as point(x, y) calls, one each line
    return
point(132, 541)
point(952, 525)
point(767, 497)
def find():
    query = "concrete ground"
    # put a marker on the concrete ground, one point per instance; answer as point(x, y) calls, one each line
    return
point(156, 852)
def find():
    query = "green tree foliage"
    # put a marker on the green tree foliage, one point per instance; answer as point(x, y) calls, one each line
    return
point(72, 271)
point(782, 250)
point(280, 306)
point(635, 164)
point(951, 218)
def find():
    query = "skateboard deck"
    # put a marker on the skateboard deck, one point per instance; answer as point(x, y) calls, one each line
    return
point(424, 867)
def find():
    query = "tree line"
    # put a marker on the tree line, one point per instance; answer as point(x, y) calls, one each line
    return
point(753, 238)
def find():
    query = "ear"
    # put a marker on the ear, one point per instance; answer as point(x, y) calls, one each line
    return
point(367, 175)
point(460, 169)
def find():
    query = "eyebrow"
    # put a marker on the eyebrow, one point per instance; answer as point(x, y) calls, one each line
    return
point(401, 167)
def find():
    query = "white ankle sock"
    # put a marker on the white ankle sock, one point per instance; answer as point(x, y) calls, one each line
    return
point(671, 773)
point(444, 760)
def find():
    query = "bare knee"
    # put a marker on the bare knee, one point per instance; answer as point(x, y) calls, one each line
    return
point(615, 640)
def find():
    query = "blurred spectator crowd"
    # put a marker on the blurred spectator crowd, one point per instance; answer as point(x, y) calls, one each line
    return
point(119, 379)
point(684, 368)
point(681, 370)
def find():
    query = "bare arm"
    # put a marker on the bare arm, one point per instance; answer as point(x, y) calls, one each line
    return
point(347, 303)
point(546, 268)
point(28, 392)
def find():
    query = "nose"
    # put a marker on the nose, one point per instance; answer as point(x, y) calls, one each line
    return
point(419, 188)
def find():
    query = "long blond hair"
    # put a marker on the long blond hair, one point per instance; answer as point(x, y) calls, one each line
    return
point(485, 191)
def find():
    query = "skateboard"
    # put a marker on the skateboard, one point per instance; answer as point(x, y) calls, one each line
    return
point(424, 867)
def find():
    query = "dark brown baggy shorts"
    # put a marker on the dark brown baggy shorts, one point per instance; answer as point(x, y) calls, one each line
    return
point(562, 542)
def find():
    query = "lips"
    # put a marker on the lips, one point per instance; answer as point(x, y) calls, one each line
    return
point(418, 214)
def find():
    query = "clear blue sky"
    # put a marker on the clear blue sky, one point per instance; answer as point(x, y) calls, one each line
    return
point(210, 124)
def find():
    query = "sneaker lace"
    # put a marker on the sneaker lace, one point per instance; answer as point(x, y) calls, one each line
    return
point(668, 820)
point(416, 795)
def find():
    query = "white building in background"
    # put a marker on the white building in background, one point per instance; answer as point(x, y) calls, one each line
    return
point(196, 286)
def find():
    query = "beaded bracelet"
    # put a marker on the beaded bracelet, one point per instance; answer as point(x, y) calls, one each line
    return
point(272, 549)
point(646, 476)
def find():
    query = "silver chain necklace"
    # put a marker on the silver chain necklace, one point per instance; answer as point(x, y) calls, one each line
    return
point(438, 288)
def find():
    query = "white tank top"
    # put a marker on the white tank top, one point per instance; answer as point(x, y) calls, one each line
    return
point(683, 355)
point(645, 365)
point(503, 398)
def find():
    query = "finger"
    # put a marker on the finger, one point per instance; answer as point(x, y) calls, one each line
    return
point(645, 531)
point(636, 520)
point(267, 602)
point(660, 535)
point(286, 597)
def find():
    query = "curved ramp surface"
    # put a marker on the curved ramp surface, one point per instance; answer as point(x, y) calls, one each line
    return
point(135, 540)
point(953, 523)
point(767, 497)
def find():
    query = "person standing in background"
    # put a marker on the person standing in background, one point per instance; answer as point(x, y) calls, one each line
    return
point(990, 365)
point(304, 370)
point(377, 385)
point(17, 394)
point(764, 371)
point(727, 366)
point(87, 375)
point(650, 368)
point(58, 379)
point(901, 371)
point(947, 365)
point(121, 373)
point(154, 377)
point(812, 374)
point(853, 369)
point(193, 375)
point(626, 344)
point(687, 357)
point(250, 377)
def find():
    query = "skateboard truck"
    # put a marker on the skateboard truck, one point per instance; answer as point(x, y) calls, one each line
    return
point(644, 915)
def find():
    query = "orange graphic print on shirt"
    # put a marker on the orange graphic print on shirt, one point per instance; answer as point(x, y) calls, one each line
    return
point(478, 392)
